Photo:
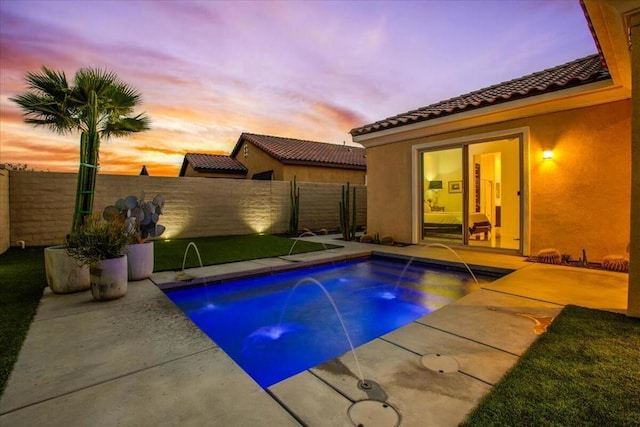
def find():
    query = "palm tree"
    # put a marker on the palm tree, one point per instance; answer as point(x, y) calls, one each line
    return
point(98, 105)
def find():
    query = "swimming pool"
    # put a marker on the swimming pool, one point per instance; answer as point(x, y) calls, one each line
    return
point(279, 325)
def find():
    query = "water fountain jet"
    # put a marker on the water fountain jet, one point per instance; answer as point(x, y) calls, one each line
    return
point(306, 233)
point(181, 275)
point(362, 382)
point(440, 245)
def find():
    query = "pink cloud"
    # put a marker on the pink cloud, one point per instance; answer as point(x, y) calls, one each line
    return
point(311, 70)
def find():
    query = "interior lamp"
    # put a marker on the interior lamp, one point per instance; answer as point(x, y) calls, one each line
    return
point(547, 154)
point(435, 185)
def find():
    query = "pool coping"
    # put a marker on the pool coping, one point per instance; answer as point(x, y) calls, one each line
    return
point(239, 270)
point(158, 368)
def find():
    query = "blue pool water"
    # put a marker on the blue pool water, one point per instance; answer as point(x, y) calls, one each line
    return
point(279, 325)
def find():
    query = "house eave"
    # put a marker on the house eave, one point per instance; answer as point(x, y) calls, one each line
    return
point(577, 97)
point(324, 165)
point(221, 171)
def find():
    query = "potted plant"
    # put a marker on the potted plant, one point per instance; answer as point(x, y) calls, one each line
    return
point(101, 245)
point(141, 219)
point(97, 105)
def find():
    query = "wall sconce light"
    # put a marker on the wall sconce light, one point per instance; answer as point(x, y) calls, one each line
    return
point(246, 150)
point(547, 154)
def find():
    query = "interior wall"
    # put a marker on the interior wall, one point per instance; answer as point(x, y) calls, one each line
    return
point(449, 170)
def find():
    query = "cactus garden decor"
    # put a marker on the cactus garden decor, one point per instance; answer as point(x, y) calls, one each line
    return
point(294, 201)
point(141, 219)
point(101, 245)
point(96, 105)
point(348, 216)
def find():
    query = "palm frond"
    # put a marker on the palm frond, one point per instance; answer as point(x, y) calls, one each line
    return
point(97, 105)
point(47, 104)
point(125, 126)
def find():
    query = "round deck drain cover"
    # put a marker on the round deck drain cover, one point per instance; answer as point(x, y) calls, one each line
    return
point(440, 363)
point(373, 413)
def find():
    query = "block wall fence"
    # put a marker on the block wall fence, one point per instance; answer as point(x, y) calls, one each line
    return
point(37, 207)
point(4, 210)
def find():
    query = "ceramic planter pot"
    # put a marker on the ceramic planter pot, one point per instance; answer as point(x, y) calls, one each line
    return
point(140, 260)
point(64, 274)
point(109, 278)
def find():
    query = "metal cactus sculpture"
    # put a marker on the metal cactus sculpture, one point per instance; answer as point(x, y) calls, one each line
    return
point(294, 214)
point(348, 217)
point(140, 217)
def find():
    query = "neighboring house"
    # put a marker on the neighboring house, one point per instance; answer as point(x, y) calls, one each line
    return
point(212, 166)
point(282, 159)
point(469, 171)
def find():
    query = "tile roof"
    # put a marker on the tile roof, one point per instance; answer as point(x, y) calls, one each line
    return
point(212, 163)
point(575, 73)
point(297, 151)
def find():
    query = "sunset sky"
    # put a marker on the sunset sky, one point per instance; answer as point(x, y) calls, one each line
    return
point(210, 70)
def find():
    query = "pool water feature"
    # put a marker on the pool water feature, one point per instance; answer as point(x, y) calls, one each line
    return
point(273, 332)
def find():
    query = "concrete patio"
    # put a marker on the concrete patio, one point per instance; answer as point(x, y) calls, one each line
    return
point(140, 361)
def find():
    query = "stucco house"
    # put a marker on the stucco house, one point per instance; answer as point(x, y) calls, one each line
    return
point(272, 157)
point(543, 161)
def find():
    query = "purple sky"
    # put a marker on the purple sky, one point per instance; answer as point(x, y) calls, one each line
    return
point(210, 70)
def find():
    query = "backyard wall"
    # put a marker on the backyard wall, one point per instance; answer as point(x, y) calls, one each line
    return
point(4, 210)
point(41, 204)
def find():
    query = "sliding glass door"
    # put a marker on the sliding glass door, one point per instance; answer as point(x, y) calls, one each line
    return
point(471, 194)
point(494, 196)
point(442, 194)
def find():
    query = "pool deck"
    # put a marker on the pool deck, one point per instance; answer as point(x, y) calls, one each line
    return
point(139, 361)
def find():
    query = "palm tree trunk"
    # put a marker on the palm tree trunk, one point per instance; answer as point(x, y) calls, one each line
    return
point(89, 148)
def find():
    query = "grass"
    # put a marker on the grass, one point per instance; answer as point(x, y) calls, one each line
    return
point(223, 249)
point(22, 280)
point(585, 371)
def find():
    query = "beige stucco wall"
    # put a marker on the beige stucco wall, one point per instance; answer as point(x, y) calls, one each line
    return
point(389, 191)
point(580, 199)
point(41, 204)
point(4, 211)
point(323, 174)
point(258, 161)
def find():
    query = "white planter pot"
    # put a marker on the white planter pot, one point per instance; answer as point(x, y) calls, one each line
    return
point(64, 274)
point(109, 278)
point(140, 260)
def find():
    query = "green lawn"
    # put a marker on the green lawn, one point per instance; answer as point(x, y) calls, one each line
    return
point(585, 371)
point(22, 280)
point(169, 254)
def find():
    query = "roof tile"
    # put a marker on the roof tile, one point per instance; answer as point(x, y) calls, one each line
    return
point(215, 163)
point(297, 151)
point(575, 73)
